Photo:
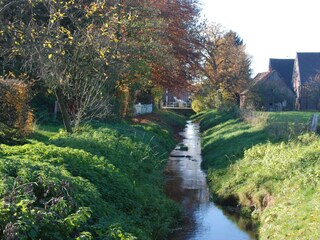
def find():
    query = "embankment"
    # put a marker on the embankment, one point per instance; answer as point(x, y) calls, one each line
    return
point(269, 169)
point(103, 182)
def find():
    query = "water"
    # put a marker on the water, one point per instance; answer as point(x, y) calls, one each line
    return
point(186, 184)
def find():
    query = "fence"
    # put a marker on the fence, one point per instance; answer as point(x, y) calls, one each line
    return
point(177, 105)
point(140, 109)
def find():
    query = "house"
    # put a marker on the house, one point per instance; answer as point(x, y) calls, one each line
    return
point(268, 91)
point(285, 69)
point(178, 98)
point(174, 96)
point(306, 80)
point(301, 76)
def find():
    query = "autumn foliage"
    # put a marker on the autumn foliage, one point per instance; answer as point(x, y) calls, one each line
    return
point(16, 118)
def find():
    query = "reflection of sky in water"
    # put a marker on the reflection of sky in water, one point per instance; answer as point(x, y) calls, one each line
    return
point(186, 183)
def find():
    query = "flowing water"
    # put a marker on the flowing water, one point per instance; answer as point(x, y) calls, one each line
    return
point(186, 184)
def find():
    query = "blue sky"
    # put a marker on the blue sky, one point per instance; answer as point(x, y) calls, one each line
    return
point(269, 28)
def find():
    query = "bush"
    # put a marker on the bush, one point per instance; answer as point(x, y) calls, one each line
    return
point(16, 116)
point(40, 200)
point(197, 106)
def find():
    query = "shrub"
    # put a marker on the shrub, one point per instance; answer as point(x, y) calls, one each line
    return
point(197, 106)
point(16, 116)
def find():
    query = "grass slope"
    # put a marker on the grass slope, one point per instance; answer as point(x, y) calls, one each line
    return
point(273, 176)
point(103, 182)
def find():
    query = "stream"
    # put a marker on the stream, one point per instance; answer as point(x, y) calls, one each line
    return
point(186, 184)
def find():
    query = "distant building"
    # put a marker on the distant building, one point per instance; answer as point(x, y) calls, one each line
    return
point(306, 81)
point(285, 69)
point(174, 96)
point(269, 91)
point(286, 79)
point(176, 99)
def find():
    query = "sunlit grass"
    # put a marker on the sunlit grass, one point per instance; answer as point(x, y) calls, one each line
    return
point(294, 116)
point(269, 166)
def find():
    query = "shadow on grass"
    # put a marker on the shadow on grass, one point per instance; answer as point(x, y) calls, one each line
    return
point(223, 151)
point(40, 137)
point(44, 132)
point(212, 118)
point(225, 137)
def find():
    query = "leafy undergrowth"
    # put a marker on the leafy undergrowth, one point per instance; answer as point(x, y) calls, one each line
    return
point(103, 182)
point(274, 179)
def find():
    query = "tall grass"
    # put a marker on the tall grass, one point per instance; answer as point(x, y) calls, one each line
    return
point(270, 168)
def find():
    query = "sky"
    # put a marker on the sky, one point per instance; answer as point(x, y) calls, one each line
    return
point(269, 28)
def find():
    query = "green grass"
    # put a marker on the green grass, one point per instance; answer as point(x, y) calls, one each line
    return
point(222, 130)
point(267, 168)
point(103, 182)
point(42, 133)
point(235, 133)
point(280, 183)
point(294, 116)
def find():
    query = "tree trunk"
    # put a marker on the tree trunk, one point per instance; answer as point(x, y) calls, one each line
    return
point(64, 112)
point(238, 100)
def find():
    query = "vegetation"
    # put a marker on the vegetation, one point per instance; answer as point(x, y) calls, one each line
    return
point(272, 175)
point(95, 59)
point(16, 119)
point(134, 46)
point(103, 182)
point(225, 72)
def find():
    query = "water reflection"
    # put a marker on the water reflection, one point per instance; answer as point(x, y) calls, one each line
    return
point(186, 184)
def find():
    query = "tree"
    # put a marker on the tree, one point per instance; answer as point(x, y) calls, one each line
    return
point(180, 35)
point(109, 49)
point(310, 93)
point(160, 49)
point(69, 45)
point(226, 66)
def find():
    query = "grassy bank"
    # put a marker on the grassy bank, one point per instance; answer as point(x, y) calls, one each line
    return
point(270, 167)
point(103, 182)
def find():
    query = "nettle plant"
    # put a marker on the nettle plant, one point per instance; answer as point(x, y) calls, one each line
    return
point(40, 210)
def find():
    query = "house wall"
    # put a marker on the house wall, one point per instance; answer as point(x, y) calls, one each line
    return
point(277, 96)
point(269, 94)
point(308, 100)
point(243, 101)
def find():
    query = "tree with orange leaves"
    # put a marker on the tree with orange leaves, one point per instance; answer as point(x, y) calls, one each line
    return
point(122, 45)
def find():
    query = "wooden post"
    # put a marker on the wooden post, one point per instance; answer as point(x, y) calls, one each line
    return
point(314, 123)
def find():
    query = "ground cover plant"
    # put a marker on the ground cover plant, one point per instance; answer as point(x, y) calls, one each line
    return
point(273, 176)
point(103, 182)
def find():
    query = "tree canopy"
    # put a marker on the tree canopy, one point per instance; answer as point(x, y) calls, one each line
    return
point(225, 68)
point(109, 49)
point(94, 56)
